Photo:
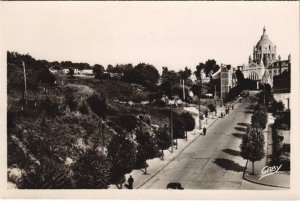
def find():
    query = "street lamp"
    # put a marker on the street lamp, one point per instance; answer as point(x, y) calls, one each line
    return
point(200, 126)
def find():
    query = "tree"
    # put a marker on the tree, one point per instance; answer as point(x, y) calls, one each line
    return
point(199, 68)
point(128, 122)
point(47, 175)
point(71, 72)
point(260, 119)
point(170, 79)
point(146, 149)
point(186, 73)
point(178, 126)
point(122, 154)
point(277, 106)
point(91, 171)
point(211, 107)
point(252, 146)
point(188, 121)
point(164, 139)
point(239, 76)
point(144, 74)
point(98, 70)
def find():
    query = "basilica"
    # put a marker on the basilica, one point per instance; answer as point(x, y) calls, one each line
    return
point(265, 64)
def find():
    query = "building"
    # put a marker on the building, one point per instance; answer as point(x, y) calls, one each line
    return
point(263, 66)
point(227, 81)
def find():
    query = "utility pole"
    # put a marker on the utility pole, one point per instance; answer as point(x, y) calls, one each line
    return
point(183, 91)
point(264, 94)
point(215, 97)
point(200, 126)
point(25, 84)
point(171, 125)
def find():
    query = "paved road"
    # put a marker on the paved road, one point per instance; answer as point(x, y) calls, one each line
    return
point(212, 161)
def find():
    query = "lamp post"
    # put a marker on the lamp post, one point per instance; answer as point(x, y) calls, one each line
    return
point(171, 125)
point(200, 126)
point(215, 101)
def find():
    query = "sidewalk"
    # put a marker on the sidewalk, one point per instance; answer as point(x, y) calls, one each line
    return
point(156, 165)
point(280, 179)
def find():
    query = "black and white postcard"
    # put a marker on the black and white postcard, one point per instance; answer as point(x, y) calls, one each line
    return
point(150, 100)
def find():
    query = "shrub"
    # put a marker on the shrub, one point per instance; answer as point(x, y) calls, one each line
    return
point(84, 109)
point(98, 104)
point(91, 171)
point(47, 175)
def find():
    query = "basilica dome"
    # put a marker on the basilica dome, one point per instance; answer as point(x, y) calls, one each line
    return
point(264, 42)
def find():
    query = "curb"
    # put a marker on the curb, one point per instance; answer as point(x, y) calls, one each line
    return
point(255, 182)
point(140, 185)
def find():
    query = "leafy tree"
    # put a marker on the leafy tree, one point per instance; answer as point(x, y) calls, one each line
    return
point(128, 122)
point(164, 139)
point(178, 126)
point(188, 121)
point(277, 106)
point(199, 68)
point(47, 175)
point(185, 74)
point(144, 74)
point(196, 88)
point(71, 72)
point(260, 119)
point(98, 70)
point(252, 146)
point(211, 107)
point(98, 104)
point(146, 149)
point(170, 79)
point(122, 154)
point(239, 76)
point(91, 171)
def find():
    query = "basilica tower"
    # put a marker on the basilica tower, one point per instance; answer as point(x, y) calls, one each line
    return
point(264, 50)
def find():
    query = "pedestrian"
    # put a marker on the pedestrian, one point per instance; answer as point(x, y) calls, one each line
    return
point(130, 182)
point(204, 131)
point(232, 107)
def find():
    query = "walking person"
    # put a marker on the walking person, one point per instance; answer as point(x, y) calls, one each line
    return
point(130, 182)
point(204, 131)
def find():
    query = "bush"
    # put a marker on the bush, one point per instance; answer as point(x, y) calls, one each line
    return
point(71, 101)
point(91, 171)
point(47, 175)
point(98, 104)
point(50, 107)
point(211, 107)
point(84, 109)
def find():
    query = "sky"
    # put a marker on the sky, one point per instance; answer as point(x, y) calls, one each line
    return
point(172, 34)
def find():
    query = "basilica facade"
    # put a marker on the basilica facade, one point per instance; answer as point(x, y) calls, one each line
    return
point(264, 63)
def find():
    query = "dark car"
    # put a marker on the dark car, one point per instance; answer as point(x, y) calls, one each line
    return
point(175, 185)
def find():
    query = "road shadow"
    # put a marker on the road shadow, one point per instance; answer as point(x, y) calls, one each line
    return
point(242, 129)
point(243, 124)
point(231, 152)
point(228, 164)
point(250, 107)
point(238, 135)
point(248, 111)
